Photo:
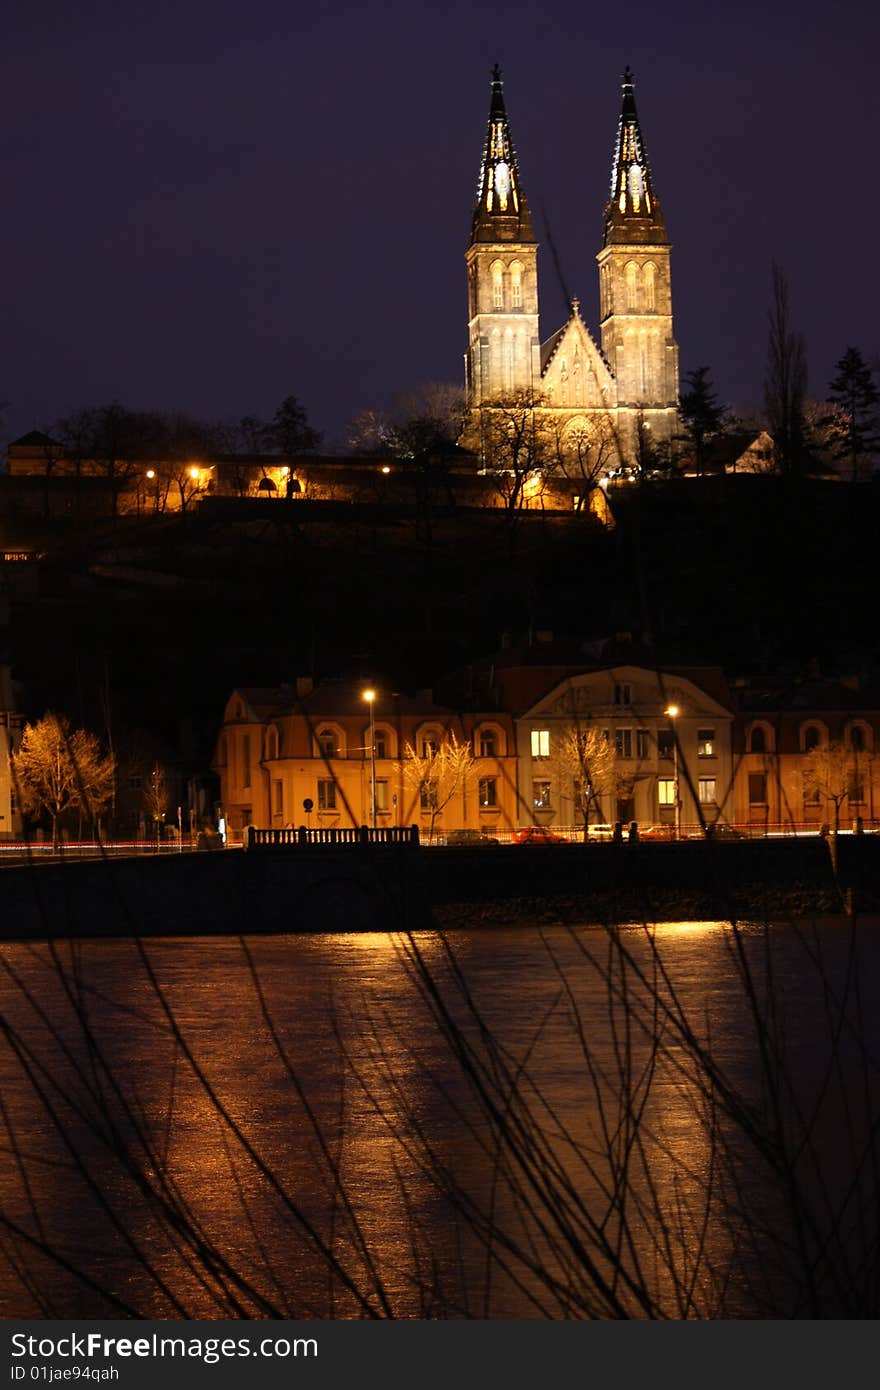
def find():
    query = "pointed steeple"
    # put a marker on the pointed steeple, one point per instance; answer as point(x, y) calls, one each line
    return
point(633, 213)
point(501, 212)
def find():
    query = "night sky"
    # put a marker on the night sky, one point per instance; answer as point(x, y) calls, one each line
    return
point(209, 206)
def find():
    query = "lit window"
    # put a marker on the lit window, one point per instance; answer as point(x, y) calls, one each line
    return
point(706, 743)
point(541, 796)
point(516, 285)
point(540, 743)
point(649, 274)
point(706, 791)
point(487, 743)
point(326, 795)
point(641, 743)
point(757, 789)
point(666, 791)
point(488, 791)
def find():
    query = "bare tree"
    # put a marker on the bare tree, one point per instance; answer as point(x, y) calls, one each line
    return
point(829, 774)
point(156, 796)
point(584, 453)
point(785, 383)
point(440, 772)
point(58, 769)
point(585, 759)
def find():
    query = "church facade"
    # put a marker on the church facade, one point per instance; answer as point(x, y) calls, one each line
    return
point(618, 395)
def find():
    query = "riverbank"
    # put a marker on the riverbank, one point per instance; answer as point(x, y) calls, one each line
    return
point(795, 902)
point(404, 887)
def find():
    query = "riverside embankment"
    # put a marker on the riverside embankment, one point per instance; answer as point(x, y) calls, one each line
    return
point(399, 887)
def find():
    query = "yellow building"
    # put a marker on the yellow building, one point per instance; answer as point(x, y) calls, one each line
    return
point(775, 735)
point(312, 755)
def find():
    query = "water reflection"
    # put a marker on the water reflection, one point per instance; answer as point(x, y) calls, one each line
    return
point(506, 1123)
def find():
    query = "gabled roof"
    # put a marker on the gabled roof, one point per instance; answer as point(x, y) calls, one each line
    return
point(34, 438)
point(575, 328)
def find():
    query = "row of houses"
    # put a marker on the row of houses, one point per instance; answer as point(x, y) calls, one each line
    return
point(532, 738)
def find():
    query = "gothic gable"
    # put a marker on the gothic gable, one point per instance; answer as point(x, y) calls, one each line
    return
point(574, 372)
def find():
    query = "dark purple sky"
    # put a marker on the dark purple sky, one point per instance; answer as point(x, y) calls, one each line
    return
point(210, 205)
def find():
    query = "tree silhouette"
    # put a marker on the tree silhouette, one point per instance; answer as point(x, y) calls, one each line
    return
point(855, 427)
point(700, 413)
point(785, 383)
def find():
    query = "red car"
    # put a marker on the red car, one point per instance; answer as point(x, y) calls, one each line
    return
point(537, 835)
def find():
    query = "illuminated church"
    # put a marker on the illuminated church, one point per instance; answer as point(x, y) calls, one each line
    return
point(631, 382)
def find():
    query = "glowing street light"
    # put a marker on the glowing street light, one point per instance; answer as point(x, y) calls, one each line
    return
point(672, 712)
point(370, 697)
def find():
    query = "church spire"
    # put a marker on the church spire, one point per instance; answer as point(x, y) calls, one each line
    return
point(633, 213)
point(501, 212)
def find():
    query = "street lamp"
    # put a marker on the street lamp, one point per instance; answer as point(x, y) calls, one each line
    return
point(672, 714)
point(370, 696)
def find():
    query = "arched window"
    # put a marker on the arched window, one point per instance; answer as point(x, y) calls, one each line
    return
point(643, 363)
point(650, 275)
point(497, 285)
point(489, 742)
point(516, 297)
point(758, 740)
point(328, 742)
point(428, 741)
point(508, 359)
point(632, 286)
point(812, 736)
point(384, 741)
point(859, 737)
point(271, 744)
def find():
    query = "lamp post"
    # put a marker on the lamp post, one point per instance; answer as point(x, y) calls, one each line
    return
point(672, 714)
point(370, 696)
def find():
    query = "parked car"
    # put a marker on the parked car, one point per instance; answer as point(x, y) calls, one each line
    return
point(657, 832)
point(719, 830)
point(470, 837)
point(537, 835)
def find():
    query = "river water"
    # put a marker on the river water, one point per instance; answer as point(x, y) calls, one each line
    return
point(670, 1122)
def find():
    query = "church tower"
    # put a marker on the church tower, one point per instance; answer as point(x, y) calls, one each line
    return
point(503, 353)
point(635, 293)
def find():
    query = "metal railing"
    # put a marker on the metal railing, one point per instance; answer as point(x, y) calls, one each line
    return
point(257, 838)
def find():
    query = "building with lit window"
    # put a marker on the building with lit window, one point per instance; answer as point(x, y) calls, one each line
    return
point(619, 397)
point(311, 755)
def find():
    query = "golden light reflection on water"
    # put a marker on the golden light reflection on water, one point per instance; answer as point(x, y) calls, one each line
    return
point(320, 1111)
